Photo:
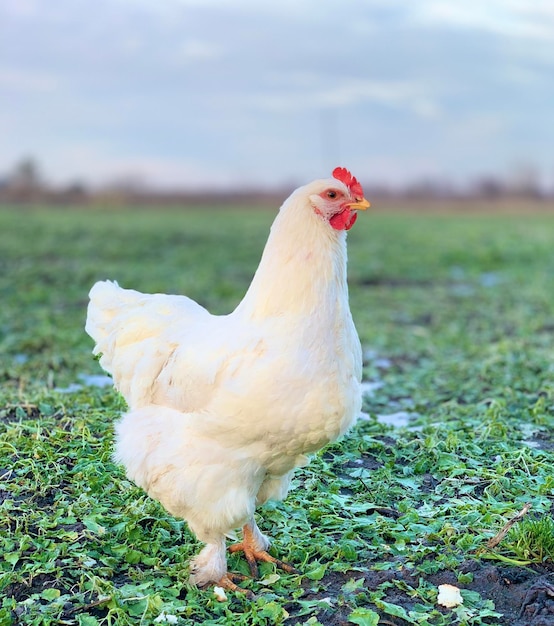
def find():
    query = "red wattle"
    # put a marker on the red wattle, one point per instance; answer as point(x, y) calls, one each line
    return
point(352, 220)
point(343, 220)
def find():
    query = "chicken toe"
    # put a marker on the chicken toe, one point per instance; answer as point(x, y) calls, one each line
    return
point(254, 554)
point(227, 581)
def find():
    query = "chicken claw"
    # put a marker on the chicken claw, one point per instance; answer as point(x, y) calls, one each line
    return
point(227, 581)
point(253, 554)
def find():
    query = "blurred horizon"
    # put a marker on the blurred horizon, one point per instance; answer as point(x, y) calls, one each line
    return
point(190, 96)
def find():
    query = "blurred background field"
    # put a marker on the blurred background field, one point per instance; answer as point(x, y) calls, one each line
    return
point(435, 282)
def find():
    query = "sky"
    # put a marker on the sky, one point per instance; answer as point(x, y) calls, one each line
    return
point(209, 94)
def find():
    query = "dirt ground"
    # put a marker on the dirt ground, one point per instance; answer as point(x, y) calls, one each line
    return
point(525, 596)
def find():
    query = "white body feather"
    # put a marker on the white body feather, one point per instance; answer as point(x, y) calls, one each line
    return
point(223, 408)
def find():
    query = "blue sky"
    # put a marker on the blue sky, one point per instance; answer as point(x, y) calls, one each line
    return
point(216, 93)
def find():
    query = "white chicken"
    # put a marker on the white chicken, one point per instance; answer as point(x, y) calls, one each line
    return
point(223, 408)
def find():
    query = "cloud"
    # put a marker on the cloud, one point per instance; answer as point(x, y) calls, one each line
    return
point(196, 50)
point(20, 8)
point(511, 18)
point(103, 167)
point(314, 92)
point(22, 80)
point(185, 90)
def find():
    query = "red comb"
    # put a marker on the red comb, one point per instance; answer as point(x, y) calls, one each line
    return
point(342, 174)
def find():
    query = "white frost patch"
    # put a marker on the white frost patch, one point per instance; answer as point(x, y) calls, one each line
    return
point(166, 618)
point(95, 380)
point(70, 389)
point(89, 380)
point(369, 354)
point(529, 434)
point(463, 291)
point(490, 279)
point(370, 387)
point(399, 419)
point(373, 356)
point(449, 596)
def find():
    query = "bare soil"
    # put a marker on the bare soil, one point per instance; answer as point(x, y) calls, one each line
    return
point(525, 596)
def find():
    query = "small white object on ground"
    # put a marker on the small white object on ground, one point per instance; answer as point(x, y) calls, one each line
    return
point(220, 594)
point(449, 596)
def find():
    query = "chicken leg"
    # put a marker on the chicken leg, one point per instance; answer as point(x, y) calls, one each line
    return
point(254, 545)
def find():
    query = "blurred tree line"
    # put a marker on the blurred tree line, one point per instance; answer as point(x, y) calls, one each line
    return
point(26, 184)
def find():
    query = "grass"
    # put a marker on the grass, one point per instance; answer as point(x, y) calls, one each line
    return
point(456, 315)
point(532, 541)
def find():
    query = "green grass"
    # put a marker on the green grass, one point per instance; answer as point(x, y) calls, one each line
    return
point(456, 314)
point(532, 541)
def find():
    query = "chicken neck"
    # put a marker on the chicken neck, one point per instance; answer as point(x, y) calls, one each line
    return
point(302, 270)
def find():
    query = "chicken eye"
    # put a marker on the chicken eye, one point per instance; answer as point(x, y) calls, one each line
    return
point(331, 194)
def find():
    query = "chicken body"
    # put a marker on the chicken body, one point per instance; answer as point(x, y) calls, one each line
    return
point(223, 408)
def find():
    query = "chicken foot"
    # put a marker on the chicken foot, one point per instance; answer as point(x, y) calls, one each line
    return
point(254, 546)
point(227, 581)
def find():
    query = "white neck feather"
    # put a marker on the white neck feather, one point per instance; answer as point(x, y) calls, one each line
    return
point(303, 266)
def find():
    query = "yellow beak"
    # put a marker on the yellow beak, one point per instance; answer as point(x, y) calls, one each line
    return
point(361, 205)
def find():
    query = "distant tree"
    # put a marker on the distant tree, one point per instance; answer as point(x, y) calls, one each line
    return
point(525, 181)
point(75, 192)
point(26, 177)
point(428, 189)
point(489, 187)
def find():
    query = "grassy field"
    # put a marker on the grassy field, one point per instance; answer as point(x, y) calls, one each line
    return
point(456, 316)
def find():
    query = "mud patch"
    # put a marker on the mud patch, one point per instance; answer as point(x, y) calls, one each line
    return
point(524, 596)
